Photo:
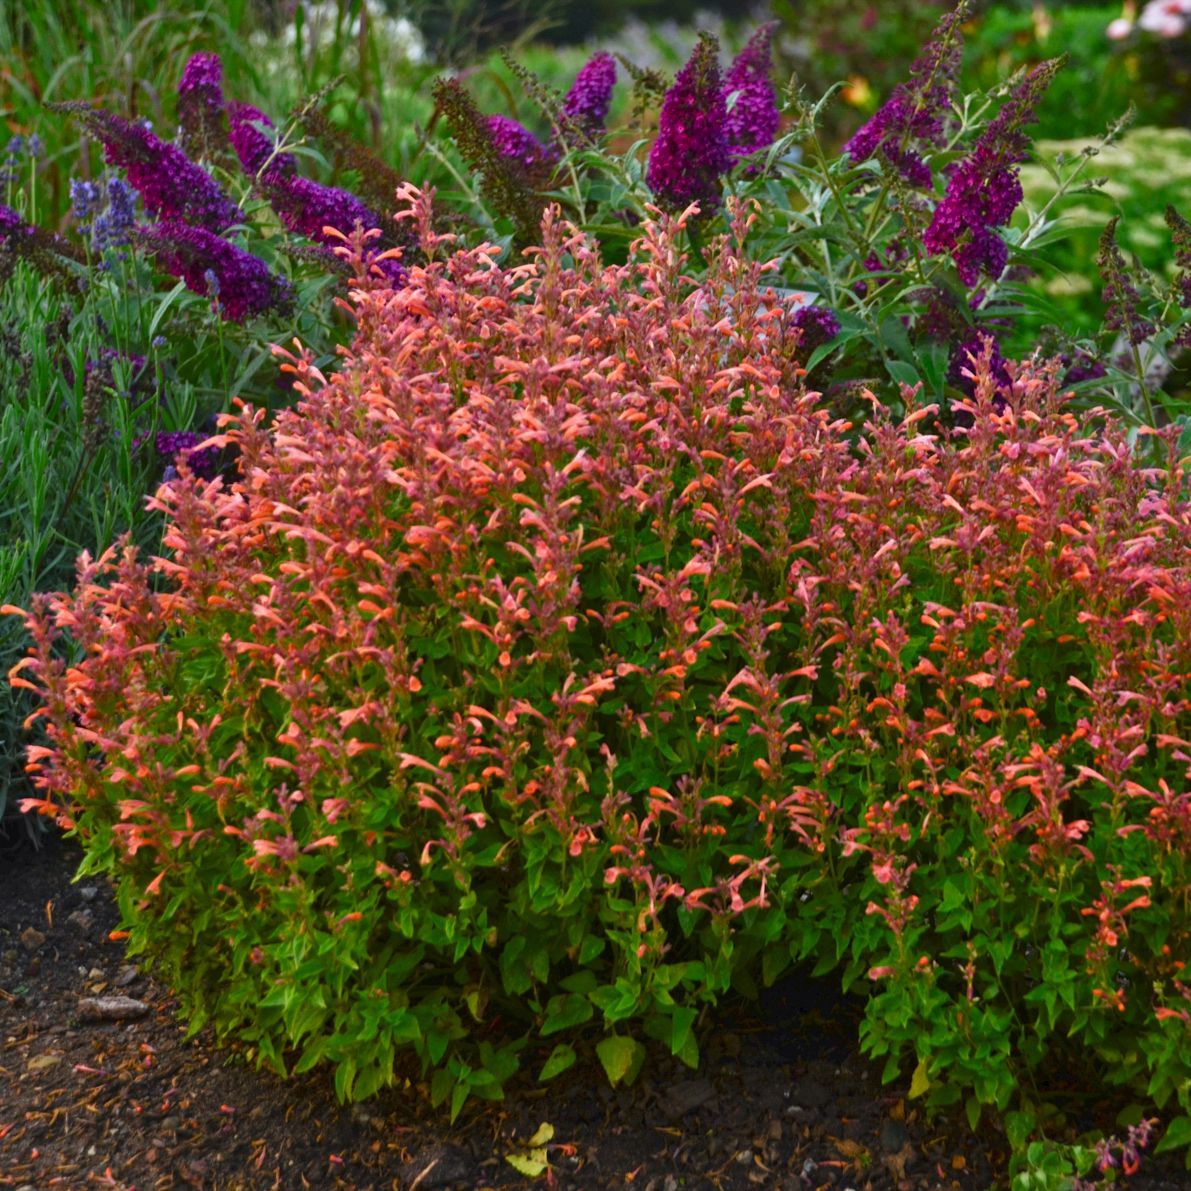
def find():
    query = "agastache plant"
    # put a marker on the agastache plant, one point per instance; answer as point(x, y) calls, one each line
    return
point(567, 683)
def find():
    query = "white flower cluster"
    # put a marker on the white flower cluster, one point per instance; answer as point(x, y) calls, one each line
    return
point(1166, 18)
point(398, 35)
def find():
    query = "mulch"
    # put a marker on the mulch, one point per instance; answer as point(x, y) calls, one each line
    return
point(782, 1099)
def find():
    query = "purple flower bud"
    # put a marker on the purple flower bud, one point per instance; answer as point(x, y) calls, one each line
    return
point(752, 119)
point(1122, 303)
point(691, 152)
point(254, 147)
point(84, 199)
point(590, 96)
point(171, 185)
point(243, 282)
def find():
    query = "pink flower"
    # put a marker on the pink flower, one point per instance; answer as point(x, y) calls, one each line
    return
point(1119, 29)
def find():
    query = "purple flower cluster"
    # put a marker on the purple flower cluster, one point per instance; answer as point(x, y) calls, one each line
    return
point(1080, 367)
point(691, 152)
point(818, 325)
point(243, 283)
point(590, 97)
point(307, 207)
point(984, 189)
point(252, 146)
point(518, 146)
point(200, 102)
point(916, 111)
point(171, 185)
point(752, 120)
point(172, 444)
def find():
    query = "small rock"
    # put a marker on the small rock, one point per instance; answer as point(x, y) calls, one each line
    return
point(685, 1095)
point(111, 1008)
point(439, 1166)
point(774, 1131)
point(32, 939)
point(745, 1158)
point(88, 893)
point(81, 920)
point(95, 974)
point(809, 1094)
point(893, 1136)
point(670, 1183)
point(127, 975)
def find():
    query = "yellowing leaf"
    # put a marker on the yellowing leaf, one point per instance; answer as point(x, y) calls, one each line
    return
point(544, 1134)
point(621, 1058)
point(921, 1081)
point(530, 1164)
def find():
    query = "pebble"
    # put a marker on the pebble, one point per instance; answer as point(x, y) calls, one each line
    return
point(88, 893)
point(745, 1158)
point(32, 939)
point(685, 1095)
point(894, 1135)
point(81, 920)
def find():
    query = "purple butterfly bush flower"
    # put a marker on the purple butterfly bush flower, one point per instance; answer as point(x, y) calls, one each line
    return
point(254, 147)
point(818, 325)
point(243, 283)
point(590, 97)
point(691, 152)
point(172, 444)
point(517, 145)
point(307, 207)
point(984, 189)
point(200, 103)
point(752, 120)
point(916, 111)
point(171, 185)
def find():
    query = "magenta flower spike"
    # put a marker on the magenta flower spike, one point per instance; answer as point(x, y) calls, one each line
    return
point(171, 186)
point(752, 119)
point(914, 114)
point(691, 152)
point(241, 283)
point(984, 190)
point(254, 147)
point(590, 96)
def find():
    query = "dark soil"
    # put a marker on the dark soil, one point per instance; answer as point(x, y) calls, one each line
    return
point(782, 1100)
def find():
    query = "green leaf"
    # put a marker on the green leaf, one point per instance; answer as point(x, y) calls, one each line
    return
point(622, 1058)
point(1178, 1134)
point(565, 1011)
point(561, 1058)
point(681, 1021)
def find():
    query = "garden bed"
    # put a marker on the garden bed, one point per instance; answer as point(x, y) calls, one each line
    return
point(782, 1100)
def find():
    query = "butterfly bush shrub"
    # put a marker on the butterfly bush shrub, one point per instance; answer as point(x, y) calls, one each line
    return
point(562, 663)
